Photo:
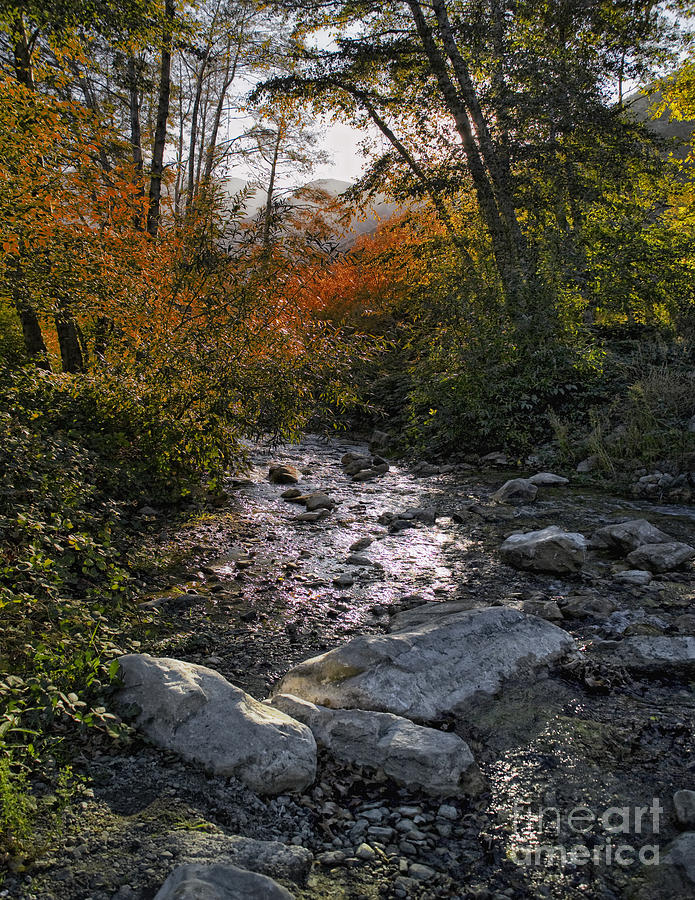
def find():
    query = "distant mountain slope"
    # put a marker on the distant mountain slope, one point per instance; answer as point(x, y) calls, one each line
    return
point(640, 105)
point(364, 221)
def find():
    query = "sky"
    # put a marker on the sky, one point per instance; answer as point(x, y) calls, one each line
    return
point(340, 141)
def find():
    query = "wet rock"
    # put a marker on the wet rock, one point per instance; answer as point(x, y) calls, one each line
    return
point(425, 470)
point(516, 489)
point(548, 550)
point(446, 811)
point(681, 855)
point(281, 474)
point(318, 500)
point(684, 804)
point(636, 577)
point(331, 858)
point(626, 536)
point(292, 494)
point(590, 606)
point(365, 852)
point(399, 524)
point(356, 463)
point(588, 464)
point(237, 482)
point(361, 544)
point(198, 714)
point(685, 624)
point(420, 872)
point(315, 516)
point(356, 560)
point(437, 762)
point(344, 581)
point(219, 882)
point(548, 479)
point(546, 609)
point(661, 557)
point(433, 669)
point(351, 456)
point(644, 655)
point(425, 515)
point(370, 474)
point(427, 613)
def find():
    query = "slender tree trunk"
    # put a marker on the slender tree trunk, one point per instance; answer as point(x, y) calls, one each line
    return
point(193, 143)
point(102, 329)
point(180, 169)
point(419, 173)
point(229, 77)
point(134, 108)
point(203, 134)
point(502, 248)
point(22, 51)
point(488, 151)
point(136, 133)
point(31, 327)
point(160, 132)
point(268, 214)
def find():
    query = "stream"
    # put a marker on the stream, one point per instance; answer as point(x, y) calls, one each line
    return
point(247, 590)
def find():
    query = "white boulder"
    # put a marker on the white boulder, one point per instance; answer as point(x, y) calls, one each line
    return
point(548, 550)
point(437, 762)
point(433, 669)
point(198, 714)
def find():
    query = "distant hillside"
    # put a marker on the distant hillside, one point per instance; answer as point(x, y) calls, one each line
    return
point(640, 106)
point(363, 221)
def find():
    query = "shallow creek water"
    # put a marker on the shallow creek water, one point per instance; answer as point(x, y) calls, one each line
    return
point(556, 745)
point(252, 593)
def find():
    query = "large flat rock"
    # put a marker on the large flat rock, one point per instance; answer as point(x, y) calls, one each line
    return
point(426, 613)
point(433, 669)
point(437, 762)
point(270, 858)
point(198, 714)
point(219, 882)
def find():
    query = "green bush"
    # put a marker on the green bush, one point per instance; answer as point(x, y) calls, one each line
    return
point(64, 582)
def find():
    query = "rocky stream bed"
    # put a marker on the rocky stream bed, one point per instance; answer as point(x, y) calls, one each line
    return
point(253, 590)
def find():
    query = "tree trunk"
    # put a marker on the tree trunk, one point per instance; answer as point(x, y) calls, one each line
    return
point(22, 50)
point(268, 214)
point(488, 151)
point(419, 173)
point(502, 248)
point(69, 340)
point(135, 133)
point(160, 132)
point(229, 77)
point(134, 108)
point(193, 143)
point(31, 329)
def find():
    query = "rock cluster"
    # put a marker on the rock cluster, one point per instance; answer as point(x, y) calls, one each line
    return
point(363, 467)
